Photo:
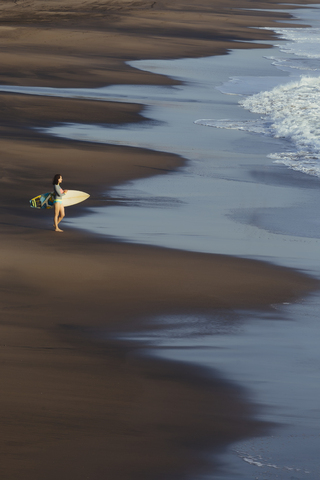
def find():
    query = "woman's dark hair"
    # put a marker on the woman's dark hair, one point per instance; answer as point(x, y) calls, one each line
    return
point(55, 179)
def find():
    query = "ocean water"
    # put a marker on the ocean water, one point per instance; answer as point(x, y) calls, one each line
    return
point(264, 103)
point(266, 128)
point(264, 107)
point(276, 359)
point(273, 117)
point(251, 188)
point(289, 111)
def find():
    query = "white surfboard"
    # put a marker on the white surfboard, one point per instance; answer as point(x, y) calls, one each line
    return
point(72, 197)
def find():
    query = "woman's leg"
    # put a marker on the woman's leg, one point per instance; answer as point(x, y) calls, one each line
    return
point(61, 213)
point(58, 215)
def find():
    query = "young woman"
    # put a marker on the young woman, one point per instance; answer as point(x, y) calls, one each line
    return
point(58, 206)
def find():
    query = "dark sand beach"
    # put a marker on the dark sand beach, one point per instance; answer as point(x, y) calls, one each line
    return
point(74, 405)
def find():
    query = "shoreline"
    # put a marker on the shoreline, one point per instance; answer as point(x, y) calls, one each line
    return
point(129, 214)
point(63, 51)
point(74, 407)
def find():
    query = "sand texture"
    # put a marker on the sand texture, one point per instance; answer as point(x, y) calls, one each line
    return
point(77, 403)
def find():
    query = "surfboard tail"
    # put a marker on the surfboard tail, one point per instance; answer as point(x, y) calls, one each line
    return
point(42, 201)
point(35, 203)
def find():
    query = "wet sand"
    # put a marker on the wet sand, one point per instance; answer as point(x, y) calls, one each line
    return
point(72, 405)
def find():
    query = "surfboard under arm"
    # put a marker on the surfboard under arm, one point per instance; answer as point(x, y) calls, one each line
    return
point(72, 197)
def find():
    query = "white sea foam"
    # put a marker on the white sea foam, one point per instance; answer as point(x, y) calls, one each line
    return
point(258, 461)
point(303, 42)
point(292, 112)
point(290, 109)
point(254, 126)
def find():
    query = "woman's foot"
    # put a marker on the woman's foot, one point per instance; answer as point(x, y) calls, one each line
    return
point(58, 230)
